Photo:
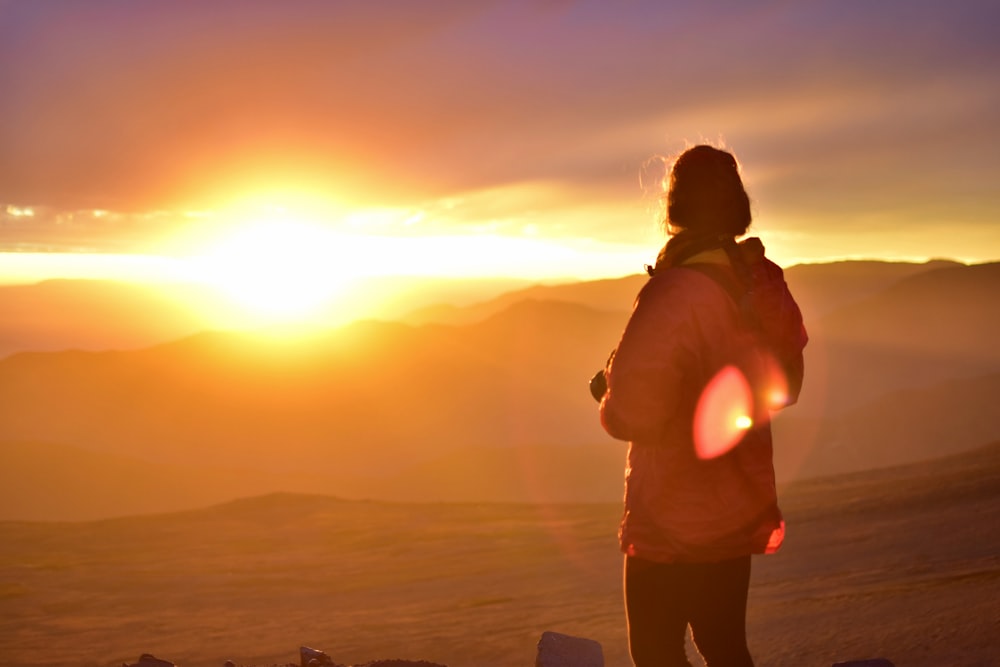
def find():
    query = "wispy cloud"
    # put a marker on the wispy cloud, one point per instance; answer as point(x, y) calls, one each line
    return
point(839, 111)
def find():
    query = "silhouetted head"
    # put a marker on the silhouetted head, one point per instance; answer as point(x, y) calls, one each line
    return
point(705, 194)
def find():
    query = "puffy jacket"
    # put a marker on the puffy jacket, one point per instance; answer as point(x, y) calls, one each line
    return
point(683, 330)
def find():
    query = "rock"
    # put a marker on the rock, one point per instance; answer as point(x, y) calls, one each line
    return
point(310, 657)
point(874, 662)
point(400, 663)
point(148, 660)
point(558, 650)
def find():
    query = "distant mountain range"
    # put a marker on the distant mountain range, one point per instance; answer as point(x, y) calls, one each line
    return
point(481, 402)
point(99, 315)
point(91, 315)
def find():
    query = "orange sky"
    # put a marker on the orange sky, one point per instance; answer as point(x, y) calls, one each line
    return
point(523, 132)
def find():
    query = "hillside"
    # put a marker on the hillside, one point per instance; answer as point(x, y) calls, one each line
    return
point(819, 288)
point(100, 315)
point(481, 411)
point(41, 481)
point(54, 482)
point(89, 314)
point(406, 393)
point(900, 427)
point(614, 294)
point(822, 289)
point(881, 563)
point(922, 330)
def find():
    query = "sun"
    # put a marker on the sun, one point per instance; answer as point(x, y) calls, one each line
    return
point(278, 271)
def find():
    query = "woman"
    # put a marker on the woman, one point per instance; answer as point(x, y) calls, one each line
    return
point(699, 492)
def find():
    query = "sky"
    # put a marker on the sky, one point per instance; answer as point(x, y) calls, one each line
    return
point(523, 139)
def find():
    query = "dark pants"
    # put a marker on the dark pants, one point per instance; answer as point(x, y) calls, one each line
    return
point(662, 599)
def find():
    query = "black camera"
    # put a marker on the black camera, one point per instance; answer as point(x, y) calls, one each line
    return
point(598, 385)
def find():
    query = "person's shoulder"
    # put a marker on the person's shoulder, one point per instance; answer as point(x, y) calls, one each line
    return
point(672, 278)
point(680, 285)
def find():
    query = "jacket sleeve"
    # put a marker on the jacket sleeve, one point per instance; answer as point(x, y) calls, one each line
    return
point(646, 374)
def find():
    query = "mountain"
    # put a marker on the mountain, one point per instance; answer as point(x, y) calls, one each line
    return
point(99, 315)
point(821, 289)
point(42, 481)
point(45, 481)
point(91, 314)
point(921, 330)
point(946, 311)
point(613, 295)
point(53, 482)
point(107, 315)
point(900, 427)
point(372, 396)
point(486, 410)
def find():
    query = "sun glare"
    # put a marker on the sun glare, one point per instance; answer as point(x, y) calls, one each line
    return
point(314, 261)
point(279, 271)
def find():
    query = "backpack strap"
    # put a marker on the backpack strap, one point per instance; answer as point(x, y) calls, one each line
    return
point(739, 263)
point(734, 287)
point(722, 276)
point(742, 295)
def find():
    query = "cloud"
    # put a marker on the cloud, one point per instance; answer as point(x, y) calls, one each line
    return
point(855, 108)
point(48, 229)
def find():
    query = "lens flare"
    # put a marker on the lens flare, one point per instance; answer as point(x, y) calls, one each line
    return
point(723, 412)
point(776, 395)
point(775, 540)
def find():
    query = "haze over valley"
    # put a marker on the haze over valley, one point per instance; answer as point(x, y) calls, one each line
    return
point(478, 402)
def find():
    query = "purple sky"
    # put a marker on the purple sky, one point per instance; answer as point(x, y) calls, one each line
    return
point(864, 128)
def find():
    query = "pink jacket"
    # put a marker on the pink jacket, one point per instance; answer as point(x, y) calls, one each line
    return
point(679, 507)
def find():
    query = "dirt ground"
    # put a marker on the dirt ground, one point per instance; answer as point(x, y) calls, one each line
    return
point(901, 563)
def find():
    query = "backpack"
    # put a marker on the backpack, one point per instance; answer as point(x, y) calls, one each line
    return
point(770, 316)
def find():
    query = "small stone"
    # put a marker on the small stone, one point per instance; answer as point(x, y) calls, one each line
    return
point(311, 657)
point(149, 660)
point(400, 663)
point(559, 650)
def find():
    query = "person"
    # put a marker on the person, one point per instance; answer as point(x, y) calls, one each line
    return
point(700, 493)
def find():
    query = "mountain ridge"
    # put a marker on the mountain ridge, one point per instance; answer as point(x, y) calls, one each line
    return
point(378, 402)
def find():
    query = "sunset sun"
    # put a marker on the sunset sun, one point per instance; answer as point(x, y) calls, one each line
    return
point(278, 271)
